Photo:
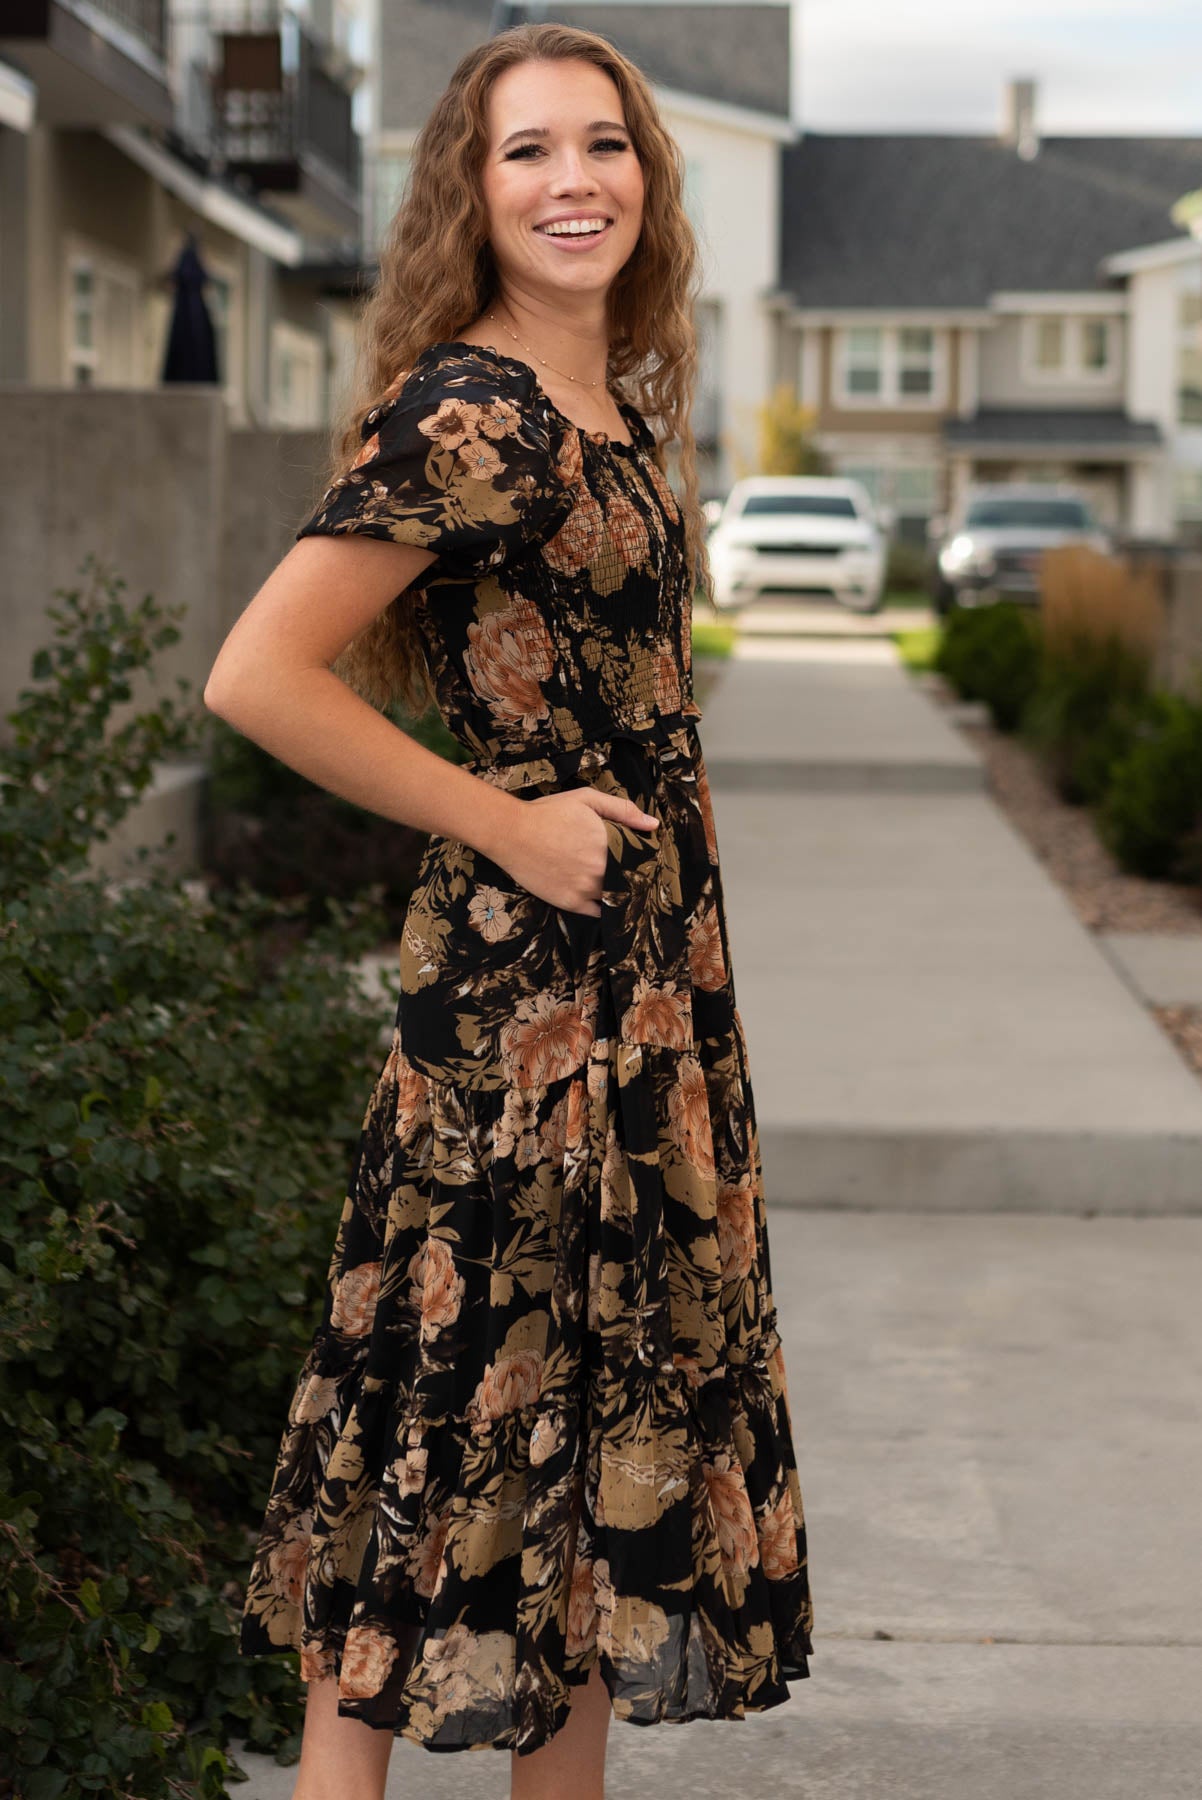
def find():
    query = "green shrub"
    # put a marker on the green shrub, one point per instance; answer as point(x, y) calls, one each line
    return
point(269, 828)
point(1085, 713)
point(991, 653)
point(180, 1086)
point(1151, 815)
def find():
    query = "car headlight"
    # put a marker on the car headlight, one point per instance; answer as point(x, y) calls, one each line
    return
point(959, 554)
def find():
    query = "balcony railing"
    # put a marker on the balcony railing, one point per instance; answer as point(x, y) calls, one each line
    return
point(145, 19)
point(94, 62)
point(266, 102)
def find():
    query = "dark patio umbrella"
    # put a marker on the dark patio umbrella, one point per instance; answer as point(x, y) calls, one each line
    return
point(191, 342)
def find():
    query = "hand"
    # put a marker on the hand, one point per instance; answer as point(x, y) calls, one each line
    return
point(561, 850)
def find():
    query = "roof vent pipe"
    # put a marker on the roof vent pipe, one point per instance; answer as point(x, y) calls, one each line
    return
point(1018, 118)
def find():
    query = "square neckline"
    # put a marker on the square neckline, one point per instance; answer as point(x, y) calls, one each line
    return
point(601, 439)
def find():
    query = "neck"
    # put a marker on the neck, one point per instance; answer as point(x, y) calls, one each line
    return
point(578, 345)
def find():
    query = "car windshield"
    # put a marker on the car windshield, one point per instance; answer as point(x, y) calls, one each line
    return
point(829, 506)
point(1046, 515)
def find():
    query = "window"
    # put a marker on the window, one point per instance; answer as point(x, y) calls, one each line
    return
point(1189, 359)
point(1068, 347)
point(102, 322)
point(1037, 515)
point(862, 369)
point(916, 361)
point(1189, 503)
point(823, 506)
point(295, 378)
point(1095, 344)
point(1049, 344)
point(886, 365)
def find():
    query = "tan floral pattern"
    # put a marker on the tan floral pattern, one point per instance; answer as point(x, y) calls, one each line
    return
point(543, 1422)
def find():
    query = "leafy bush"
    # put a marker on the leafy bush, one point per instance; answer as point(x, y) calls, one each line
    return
point(266, 826)
point(180, 1087)
point(1151, 816)
point(1084, 714)
point(991, 653)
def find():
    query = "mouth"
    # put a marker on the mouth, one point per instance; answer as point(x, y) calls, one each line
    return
point(573, 235)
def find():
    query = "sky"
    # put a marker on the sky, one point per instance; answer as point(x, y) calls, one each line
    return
point(1101, 66)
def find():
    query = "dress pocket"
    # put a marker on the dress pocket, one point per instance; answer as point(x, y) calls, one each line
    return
point(490, 997)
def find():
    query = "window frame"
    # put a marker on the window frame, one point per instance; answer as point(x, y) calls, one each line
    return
point(889, 396)
point(1072, 369)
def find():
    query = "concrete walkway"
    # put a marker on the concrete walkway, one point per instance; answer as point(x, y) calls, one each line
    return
point(997, 1424)
point(929, 1025)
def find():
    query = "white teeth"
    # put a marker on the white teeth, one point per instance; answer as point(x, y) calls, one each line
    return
point(574, 227)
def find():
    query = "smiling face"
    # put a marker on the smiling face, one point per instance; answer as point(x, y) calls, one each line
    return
point(562, 183)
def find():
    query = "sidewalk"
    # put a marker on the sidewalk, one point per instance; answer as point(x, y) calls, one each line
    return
point(997, 1426)
point(928, 1024)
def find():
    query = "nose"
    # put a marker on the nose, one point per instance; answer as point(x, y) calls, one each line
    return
point(572, 173)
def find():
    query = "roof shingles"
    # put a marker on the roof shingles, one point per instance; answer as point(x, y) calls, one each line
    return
point(926, 221)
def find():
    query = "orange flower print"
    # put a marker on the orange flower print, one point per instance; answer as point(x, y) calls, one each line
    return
point(546, 1039)
point(706, 803)
point(499, 418)
point(689, 1116)
point(582, 1608)
point(569, 464)
point(412, 1098)
point(707, 965)
point(355, 1300)
point(658, 1015)
point(432, 1270)
point(369, 450)
point(737, 1539)
point(367, 1658)
point(315, 1400)
point(480, 459)
point(510, 1382)
point(425, 1558)
point(627, 529)
point(667, 679)
point(509, 654)
point(736, 1228)
point(778, 1540)
point(486, 914)
point(453, 423)
point(289, 1558)
point(578, 540)
point(546, 1437)
point(316, 1662)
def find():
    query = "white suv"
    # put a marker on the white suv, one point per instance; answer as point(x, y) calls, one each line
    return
point(798, 534)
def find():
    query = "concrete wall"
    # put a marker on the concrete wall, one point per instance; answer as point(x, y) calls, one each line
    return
point(158, 487)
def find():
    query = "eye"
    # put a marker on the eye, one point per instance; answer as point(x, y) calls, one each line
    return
point(601, 144)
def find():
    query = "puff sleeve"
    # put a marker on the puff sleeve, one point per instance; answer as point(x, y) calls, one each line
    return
point(467, 459)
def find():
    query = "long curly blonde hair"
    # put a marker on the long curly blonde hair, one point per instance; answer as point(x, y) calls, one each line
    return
point(437, 274)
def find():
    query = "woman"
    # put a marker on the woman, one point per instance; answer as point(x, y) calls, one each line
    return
point(538, 1467)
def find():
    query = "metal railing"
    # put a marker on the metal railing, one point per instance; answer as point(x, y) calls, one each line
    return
point(144, 19)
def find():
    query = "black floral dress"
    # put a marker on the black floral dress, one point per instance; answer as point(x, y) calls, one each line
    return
point(544, 1420)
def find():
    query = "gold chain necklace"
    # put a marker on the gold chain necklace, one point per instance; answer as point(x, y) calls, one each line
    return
point(542, 359)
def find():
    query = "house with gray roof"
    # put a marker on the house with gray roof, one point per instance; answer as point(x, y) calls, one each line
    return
point(960, 309)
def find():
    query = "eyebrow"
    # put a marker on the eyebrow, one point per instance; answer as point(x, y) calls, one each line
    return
point(542, 132)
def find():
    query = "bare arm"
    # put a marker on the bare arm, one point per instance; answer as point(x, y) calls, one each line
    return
point(272, 681)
